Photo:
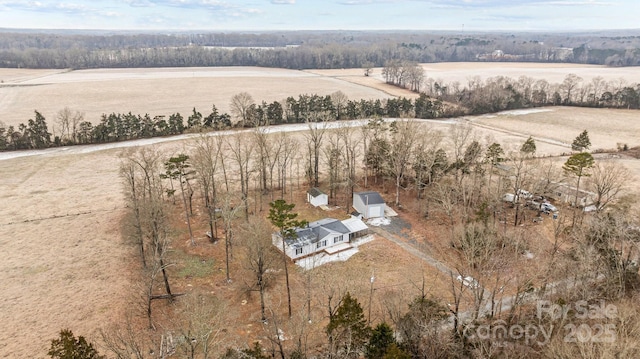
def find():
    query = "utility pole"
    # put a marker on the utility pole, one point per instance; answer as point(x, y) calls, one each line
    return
point(373, 278)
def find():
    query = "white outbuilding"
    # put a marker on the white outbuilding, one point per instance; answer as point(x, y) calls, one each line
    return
point(370, 204)
point(316, 197)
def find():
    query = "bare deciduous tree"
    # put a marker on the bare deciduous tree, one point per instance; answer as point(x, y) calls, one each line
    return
point(351, 144)
point(404, 134)
point(200, 322)
point(206, 158)
point(260, 257)
point(68, 122)
point(241, 148)
point(334, 161)
point(229, 212)
point(314, 136)
point(240, 105)
point(608, 180)
point(289, 151)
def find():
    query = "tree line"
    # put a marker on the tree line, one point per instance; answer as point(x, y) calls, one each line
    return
point(306, 49)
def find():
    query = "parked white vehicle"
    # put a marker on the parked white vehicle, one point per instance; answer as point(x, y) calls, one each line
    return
point(545, 207)
point(524, 194)
point(548, 207)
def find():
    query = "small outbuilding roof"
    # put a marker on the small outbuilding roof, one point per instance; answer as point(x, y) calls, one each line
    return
point(355, 224)
point(370, 197)
point(315, 192)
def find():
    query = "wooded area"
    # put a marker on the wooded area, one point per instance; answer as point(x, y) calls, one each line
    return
point(307, 49)
point(451, 180)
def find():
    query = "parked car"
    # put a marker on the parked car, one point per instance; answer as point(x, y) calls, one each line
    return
point(524, 194)
point(548, 207)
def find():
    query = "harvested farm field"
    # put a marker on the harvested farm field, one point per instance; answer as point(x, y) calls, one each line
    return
point(461, 72)
point(156, 91)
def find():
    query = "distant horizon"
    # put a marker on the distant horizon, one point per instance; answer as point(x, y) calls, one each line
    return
point(547, 16)
point(181, 31)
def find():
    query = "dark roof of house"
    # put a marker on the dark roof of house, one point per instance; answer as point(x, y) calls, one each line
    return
point(315, 192)
point(370, 197)
point(332, 225)
point(317, 230)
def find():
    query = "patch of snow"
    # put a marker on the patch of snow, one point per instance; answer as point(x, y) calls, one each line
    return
point(323, 258)
point(524, 112)
point(281, 336)
point(379, 221)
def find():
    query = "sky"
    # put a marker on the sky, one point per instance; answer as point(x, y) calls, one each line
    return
point(261, 15)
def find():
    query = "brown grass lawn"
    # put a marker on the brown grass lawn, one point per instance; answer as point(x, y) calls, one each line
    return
point(65, 262)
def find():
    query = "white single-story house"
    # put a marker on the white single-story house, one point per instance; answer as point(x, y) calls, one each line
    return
point(316, 197)
point(370, 204)
point(567, 194)
point(326, 235)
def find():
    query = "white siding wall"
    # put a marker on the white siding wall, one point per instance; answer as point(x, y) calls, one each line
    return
point(359, 206)
point(374, 210)
point(321, 200)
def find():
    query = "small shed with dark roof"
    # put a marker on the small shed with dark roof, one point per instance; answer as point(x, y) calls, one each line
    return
point(316, 197)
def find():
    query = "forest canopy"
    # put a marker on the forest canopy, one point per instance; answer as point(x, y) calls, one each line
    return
point(306, 49)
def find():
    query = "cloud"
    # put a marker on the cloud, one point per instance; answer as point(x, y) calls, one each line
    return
point(511, 3)
point(368, 2)
point(193, 4)
point(48, 7)
point(283, 2)
point(138, 3)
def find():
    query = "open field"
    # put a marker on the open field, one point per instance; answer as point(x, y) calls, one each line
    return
point(156, 91)
point(66, 263)
point(607, 128)
point(163, 91)
point(448, 72)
